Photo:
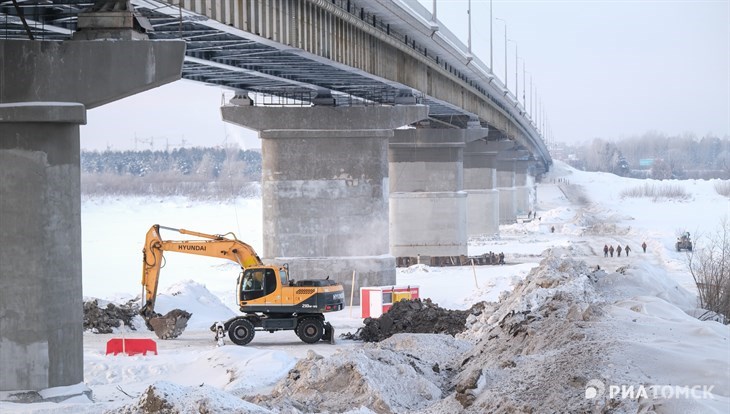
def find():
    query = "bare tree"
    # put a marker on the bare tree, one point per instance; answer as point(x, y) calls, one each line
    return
point(709, 264)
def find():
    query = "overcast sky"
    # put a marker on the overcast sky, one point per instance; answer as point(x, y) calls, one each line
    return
point(602, 69)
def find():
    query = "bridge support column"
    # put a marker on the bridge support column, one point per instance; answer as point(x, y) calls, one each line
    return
point(480, 183)
point(523, 188)
point(427, 204)
point(46, 89)
point(40, 260)
point(325, 188)
point(507, 193)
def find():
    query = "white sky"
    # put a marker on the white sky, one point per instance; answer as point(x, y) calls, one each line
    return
point(607, 69)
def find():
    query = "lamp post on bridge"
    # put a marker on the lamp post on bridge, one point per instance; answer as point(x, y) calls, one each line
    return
point(505, 51)
point(516, 66)
point(532, 99)
point(491, 37)
point(524, 84)
point(468, 11)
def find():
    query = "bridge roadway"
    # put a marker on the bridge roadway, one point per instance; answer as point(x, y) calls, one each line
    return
point(385, 138)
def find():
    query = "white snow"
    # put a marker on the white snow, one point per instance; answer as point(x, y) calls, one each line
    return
point(635, 307)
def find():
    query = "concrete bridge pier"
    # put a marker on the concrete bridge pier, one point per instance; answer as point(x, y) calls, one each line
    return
point(427, 205)
point(523, 187)
point(480, 183)
point(325, 188)
point(40, 258)
point(45, 89)
point(507, 192)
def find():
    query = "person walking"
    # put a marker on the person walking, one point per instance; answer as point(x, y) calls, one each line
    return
point(618, 251)
point(605, 250)
point(610, 250)
point(643, 246)
point(627, 249)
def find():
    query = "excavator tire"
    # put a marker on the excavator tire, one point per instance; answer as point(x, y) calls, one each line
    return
point(171, 325)
point(310, 330)
point(241, 331)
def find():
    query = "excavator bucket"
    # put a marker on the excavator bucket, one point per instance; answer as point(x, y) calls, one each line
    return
point(329, 333)
point(171, 325)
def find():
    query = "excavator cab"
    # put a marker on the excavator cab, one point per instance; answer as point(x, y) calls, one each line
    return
point(257, 283)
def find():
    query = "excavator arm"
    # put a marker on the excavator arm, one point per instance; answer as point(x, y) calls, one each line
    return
point(225, 246)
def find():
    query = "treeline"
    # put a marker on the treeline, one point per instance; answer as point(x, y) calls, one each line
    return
point(657, 156)
point(193, 172)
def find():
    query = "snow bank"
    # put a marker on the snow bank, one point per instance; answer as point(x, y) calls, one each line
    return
point(166, 397)
point(535, 349)
point(195, 298)
point(404, 373)
point(567, 326)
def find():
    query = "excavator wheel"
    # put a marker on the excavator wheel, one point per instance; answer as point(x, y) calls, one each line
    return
point(241, 331)
point(310, 330)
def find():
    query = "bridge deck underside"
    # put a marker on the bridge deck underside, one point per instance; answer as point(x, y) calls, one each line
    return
point(290, 50)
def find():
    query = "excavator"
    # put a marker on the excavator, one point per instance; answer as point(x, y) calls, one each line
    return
point(269, 299)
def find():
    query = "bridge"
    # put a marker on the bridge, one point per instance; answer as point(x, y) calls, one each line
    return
point(382, 136)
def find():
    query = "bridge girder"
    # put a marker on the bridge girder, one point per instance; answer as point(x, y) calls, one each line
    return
point(252, 48)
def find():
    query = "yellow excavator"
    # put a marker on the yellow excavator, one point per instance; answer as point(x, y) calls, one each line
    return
point(269, 299)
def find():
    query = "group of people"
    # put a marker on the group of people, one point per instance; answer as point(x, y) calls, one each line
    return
point(609, 250)
point(494, 258)
point(533, 215)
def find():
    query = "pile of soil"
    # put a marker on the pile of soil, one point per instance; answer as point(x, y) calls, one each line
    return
point(403, 374)
point(414, 316)
point(103, 320)
point(169, 398)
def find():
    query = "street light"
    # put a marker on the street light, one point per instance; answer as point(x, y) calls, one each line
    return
point(505, 51)
point(516, 66)
point(491, 43)
point(468, 11)
point(524, 84)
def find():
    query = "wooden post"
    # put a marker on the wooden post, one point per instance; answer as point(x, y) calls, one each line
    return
point(352, 292)
point(474, 269)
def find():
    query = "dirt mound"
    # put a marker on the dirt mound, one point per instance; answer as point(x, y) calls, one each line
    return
point(537, 348)
point(103, 320)
point(392, 376)
point(167, 398)
point(414, 316)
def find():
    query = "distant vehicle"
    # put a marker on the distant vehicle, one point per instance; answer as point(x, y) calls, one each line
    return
point(684, 242)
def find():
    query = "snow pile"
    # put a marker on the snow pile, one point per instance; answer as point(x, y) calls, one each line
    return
point(166, 397)
point(567, 326)
point(403, 373)
point(195, 298)
point(535, 349)
point(105, 317)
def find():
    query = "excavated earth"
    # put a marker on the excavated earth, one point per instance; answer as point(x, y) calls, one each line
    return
point(103, 320)
point(414, 316)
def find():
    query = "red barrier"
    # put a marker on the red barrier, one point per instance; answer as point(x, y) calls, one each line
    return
point(130, 346)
